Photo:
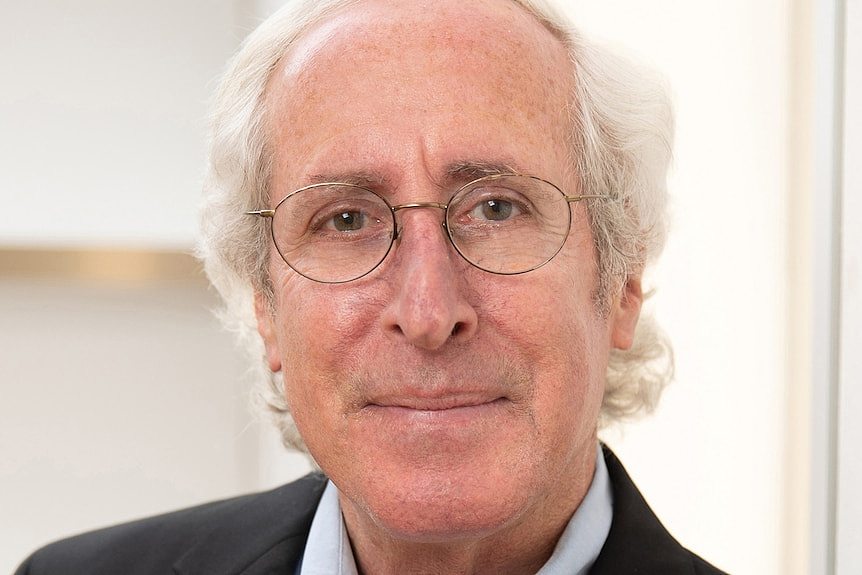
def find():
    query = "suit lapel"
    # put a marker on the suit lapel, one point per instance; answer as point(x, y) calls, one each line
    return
point(267, 535)
point(637, 542)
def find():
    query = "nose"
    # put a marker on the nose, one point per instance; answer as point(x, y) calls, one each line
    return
point(430, 306)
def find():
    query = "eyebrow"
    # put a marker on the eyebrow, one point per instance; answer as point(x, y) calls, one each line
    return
point(470, 170)
point(457, 172)
point(357, 178)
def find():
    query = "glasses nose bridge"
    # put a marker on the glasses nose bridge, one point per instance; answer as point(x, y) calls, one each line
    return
point(416, 205)
point(412, 205)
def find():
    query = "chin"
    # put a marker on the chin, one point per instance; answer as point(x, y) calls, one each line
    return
point(444, 514)
point(436, 501)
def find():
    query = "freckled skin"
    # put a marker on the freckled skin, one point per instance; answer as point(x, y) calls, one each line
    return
point(404, 91)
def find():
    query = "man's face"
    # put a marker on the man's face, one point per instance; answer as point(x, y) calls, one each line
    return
point(442, 400)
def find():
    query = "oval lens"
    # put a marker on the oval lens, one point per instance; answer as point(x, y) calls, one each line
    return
point(333, 233)
point(508, 224)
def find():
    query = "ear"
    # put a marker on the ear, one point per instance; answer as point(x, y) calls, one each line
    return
point(625, 313)
point(266, 329)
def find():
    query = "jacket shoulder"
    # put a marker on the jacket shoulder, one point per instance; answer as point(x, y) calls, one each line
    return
point(638, 542)
point(701, 567)
point(154, 544)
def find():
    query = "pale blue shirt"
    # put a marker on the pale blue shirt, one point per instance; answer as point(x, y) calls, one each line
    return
point(328, 550)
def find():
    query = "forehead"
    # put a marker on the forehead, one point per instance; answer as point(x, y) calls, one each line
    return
point(392, 30)
point(435, 75)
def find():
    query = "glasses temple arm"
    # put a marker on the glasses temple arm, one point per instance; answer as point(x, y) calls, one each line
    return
point(572, 199)
point(261, 213)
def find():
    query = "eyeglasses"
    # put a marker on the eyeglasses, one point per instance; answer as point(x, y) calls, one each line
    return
point(503, 224)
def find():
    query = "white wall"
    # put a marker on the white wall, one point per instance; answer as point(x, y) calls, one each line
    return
point(102, 114)
point(118, 401)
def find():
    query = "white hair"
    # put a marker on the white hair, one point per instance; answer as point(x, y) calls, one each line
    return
point(621, 138)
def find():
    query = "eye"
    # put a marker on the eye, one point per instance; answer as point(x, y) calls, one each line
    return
point(495, 209)
point(353, 218)
point(335, 214)
point(349, 221)
point(490, 205)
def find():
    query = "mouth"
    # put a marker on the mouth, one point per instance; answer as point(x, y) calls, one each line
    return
point(438, 403)
point(440, 413)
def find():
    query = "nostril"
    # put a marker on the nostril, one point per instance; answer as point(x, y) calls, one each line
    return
point(458, 328)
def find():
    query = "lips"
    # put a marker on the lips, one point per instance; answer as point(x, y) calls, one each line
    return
point(448, 417)
point(439, 402)
point(404, 389)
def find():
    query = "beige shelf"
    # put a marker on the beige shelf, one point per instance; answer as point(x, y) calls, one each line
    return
point(100, 265)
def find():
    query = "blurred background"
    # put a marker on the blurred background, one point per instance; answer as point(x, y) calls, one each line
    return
point(121, 396)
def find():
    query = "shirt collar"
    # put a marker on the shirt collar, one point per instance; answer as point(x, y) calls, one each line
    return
point(582, 541)
point(328, 550)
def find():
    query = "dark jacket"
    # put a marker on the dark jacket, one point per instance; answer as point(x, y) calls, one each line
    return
point(265, 534)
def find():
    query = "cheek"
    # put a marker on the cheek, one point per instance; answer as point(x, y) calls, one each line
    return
point(320, 329)
point(319, 320)
point(550, 310)
point(552, 320)
point(571, 385)
point(325, 331)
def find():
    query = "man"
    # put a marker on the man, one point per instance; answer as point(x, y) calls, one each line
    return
point(441, 214)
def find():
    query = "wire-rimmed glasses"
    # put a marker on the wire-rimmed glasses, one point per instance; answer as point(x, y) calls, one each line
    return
point(503, 224)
